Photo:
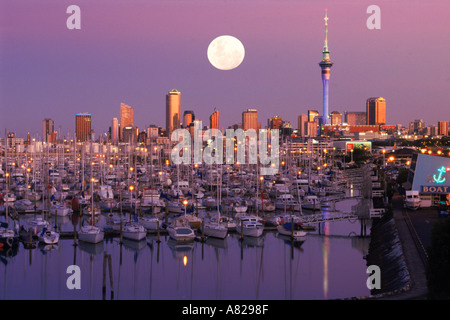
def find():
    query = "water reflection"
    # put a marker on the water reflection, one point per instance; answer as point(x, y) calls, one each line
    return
point(269, 267)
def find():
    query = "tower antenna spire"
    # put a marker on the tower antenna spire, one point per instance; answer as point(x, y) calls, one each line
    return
point(326, 53)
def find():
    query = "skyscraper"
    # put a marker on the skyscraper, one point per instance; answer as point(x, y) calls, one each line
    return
point(336, 118)
point(250, 119)
point(312, 114)
point(302, 120)
point(325, 65)
point(275, 122)
point(48, 127)
point(214, 120)
point(126, 117)
point(376, 111)
point(173, 103)
point(83, 127)
point(115, 130)
point(443, 128)
point(188, 118)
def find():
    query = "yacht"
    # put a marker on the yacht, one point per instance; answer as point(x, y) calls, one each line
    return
point(180, 231)
point(294, 230)
point(91, 234)
point(250, 228)
point(60, 210)
point(134, 231)
point(48, 236)
point(412, 200)
point(311, 202)
point(287, 202)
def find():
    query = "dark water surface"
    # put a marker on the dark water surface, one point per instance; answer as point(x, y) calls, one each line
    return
point(329, 264)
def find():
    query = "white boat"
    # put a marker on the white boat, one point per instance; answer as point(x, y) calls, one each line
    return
point(248, 218)
point(9, 197)
point(33, 196)
point(175, 207)
point(180, 231)
point(209, 202)
point(250, 228)
point(48, 236)
point(412, 200)
point(134, 231)
point(150, 223)
point(37, 224)
point(89, 211)
point(60, 210)
point(287, 202)
point(24, 205)
point(293, 230)
point(311, 202)
point(265, 205)
point(91, 234)
point(216, 230)
point(229, 223)
point(113, 223)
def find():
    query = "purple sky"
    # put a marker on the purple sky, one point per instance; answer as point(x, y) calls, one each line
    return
point(136, 51)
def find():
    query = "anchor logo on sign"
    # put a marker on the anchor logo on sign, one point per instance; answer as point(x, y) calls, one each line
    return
point(439, 178)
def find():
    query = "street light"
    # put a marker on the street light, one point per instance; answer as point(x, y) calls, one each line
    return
point(185, 202)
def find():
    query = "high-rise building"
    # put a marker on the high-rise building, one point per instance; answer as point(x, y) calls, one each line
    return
point(214, 120)
point(126, 117)
point(275, 122)
point(250, 119)
point(312, 114)
point(115, 130)
point(335, 118)
point(325, 65)
point(173, 103)
point(188, 118)
point(48, 128)
point(83, 125)
point(355, 118)
point(130, 134)
point(443, 128)
point(302, 120)
point(376, 111)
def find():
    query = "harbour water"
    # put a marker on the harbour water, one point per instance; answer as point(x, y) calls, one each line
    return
point(329, 264)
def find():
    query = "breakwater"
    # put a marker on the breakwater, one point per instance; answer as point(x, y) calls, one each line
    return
point(385, 251)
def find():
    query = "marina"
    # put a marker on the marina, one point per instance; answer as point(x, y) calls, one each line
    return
point(178, 231)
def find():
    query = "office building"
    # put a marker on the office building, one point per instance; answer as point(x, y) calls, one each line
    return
point(355, 118)
point(83, 123)
point(214, 120)
point(443, 128)
point(376, 111)
point(173, 103)
point(250, 119)
point(48, 129)
point(126, 117)
point(188, 118)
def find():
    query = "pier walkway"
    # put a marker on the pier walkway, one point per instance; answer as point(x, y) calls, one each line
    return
point(413, 249)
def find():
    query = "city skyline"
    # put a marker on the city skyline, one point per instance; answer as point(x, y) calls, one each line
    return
point(52, 72)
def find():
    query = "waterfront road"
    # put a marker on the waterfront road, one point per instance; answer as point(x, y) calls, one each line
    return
point(414, 228)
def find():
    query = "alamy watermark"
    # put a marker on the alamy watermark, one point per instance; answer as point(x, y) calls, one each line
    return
point(241, 147)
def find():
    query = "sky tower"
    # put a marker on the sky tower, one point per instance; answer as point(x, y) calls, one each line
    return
point(325, 65)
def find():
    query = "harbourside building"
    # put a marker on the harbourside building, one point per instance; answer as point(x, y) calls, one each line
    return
point(430, 176)
point(83, 123)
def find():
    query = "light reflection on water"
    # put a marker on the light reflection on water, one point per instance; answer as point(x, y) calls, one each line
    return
point(328, 265)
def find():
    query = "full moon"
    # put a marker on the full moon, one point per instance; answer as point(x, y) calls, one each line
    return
point(226, 52)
